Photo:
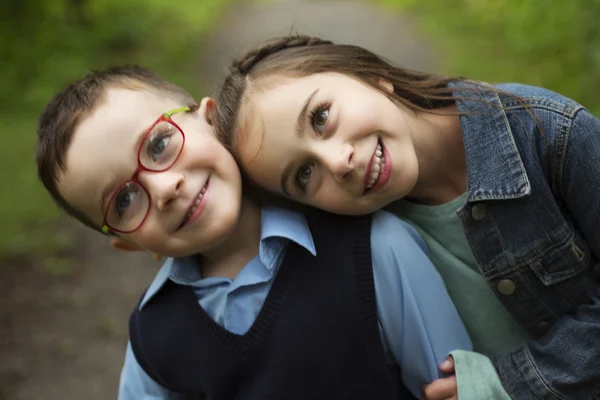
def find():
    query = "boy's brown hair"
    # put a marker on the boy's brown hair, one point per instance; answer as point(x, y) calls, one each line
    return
point(74, 103)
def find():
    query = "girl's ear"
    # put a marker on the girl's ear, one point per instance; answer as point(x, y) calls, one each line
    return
point(386, 85)
point(207, 109)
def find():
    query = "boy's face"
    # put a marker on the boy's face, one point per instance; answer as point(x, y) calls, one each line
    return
point(192, 206)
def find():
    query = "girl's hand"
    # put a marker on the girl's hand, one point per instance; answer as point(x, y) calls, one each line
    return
point(447, 366)
point(443, 388)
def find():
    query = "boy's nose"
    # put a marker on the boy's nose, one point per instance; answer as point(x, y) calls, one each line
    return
point(163, 187)
point(339, 160)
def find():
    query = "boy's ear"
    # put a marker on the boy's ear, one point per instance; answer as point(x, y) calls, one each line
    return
point(120, 244)
point(207, 109)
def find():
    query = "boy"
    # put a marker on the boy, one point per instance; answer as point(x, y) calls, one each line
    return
point(247, 307)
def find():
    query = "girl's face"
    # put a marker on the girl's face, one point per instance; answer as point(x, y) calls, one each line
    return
point(330, 141)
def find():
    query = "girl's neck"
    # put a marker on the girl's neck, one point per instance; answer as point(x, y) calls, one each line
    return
point(441, 156)
point(228, 258)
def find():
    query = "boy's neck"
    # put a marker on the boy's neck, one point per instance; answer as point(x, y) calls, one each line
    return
point(229, 257)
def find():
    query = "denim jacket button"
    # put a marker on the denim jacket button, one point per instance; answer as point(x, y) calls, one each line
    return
point(478, 212)
point(506, 287)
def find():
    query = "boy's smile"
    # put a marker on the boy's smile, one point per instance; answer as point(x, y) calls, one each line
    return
point(192, 205)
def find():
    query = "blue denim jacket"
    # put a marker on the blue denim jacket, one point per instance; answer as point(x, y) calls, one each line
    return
point(533, 221)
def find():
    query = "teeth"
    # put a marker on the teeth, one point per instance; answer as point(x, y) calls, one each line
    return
point(196, 202)
point(378, 164)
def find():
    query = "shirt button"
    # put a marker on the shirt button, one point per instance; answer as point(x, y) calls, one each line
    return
point(478, 211)
point(542, 325)
point(506, 287)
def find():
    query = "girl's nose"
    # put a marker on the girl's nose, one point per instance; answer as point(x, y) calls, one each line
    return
point(339, 160)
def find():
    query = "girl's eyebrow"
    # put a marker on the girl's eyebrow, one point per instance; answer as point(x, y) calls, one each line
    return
point(301, 121)
point(285, 177)
point(300, 125)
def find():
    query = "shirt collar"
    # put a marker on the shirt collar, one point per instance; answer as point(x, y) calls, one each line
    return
point(494, 166)
point(276, 224)
point(279, 223)
point(159, 281)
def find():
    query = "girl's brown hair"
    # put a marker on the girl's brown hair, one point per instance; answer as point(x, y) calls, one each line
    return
point(297, 56)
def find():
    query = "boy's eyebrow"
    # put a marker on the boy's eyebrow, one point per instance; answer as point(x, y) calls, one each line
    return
point(140, 138)
point(103, 196)
point(300, 125)
point(136, 148)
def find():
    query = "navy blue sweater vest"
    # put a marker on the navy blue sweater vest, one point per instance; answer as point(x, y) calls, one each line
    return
point(316, 336)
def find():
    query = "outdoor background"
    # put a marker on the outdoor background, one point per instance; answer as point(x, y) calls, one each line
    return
point(64, 294)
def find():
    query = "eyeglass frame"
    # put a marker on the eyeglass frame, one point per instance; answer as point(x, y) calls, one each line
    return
point(165, 117)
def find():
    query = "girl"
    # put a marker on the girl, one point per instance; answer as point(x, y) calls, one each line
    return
point(501, 181)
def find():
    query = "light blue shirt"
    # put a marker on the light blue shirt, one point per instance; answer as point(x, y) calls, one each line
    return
point(419, 325)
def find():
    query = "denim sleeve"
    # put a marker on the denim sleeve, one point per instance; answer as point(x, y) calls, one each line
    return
point(137, 385)
point(418, 319)
point(565, 363)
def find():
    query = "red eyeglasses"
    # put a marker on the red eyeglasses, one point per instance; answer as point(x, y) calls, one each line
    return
point(160, 149)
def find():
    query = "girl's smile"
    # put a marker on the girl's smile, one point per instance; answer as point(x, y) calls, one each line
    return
point(330, 141)
point(379, 170)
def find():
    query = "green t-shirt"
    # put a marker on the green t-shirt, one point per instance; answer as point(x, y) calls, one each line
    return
point(491, 328)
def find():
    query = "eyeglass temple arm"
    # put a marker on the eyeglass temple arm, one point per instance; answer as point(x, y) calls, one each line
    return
point(175, 111)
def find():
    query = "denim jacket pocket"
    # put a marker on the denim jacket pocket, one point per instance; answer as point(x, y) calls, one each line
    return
point(561, 282)
point(561, 264)
point(566, 275)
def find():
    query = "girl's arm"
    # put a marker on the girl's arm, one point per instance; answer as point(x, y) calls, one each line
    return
point(565, 363)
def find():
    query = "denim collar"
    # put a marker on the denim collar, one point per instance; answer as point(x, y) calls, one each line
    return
point(494, 166)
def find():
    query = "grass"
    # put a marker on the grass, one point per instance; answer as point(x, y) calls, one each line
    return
point(50, 50)
point(549, 43)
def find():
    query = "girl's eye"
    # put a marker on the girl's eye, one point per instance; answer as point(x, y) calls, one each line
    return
point(303, 175)
point(319, 118)
point(157, 145)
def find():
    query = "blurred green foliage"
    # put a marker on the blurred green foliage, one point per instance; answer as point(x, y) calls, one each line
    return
point(44, 44)
point(549, 43)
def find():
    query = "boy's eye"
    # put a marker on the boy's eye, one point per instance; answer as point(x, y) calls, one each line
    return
point(128, 201)
point(161, 146)
point(303, 176)
point(157, 145)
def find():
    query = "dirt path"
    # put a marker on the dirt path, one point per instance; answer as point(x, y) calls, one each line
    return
point(63, 333)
